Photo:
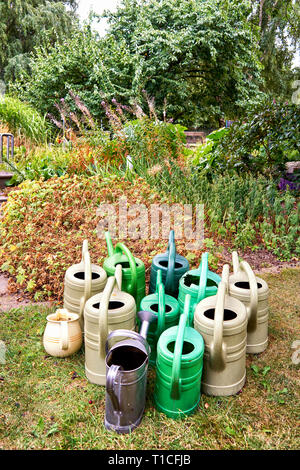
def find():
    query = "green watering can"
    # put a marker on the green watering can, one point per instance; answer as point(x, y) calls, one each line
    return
point(179, 368)
point(199, 283)
point(165, 310)
point(133, 269)
point(173, 267)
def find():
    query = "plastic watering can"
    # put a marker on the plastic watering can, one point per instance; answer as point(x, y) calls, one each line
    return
point(133, 269)
point(179, 368)
point(82, 281)
point(165, 310)
point(110, 310)
point(126, 376)
point(253, 292)
point(222, 321)
point(199, 283)
point(172, 265)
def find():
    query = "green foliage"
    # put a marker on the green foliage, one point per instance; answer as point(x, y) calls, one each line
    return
point(204, 154)
point(278, 26)
point(247, 210)
point(25, 24)
point(197, 59)
point(261, 143)
point(22, 119)
point(42, 162)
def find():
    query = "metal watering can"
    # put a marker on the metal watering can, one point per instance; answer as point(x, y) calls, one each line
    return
point(173, 267)
point(222, 321)
point(110, 310)
point(126, 377)
point(253, 292)
point(82, 280)
point(165, 310)
point(133, 279)
point(199, 283)
point(179, 368)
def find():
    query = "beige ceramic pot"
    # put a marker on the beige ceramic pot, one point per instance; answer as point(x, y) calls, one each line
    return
point(63, 335)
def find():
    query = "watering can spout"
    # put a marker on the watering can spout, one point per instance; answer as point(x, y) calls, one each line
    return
point(146, 318)
point(109, 244)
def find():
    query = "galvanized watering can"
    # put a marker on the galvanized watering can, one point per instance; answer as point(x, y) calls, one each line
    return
point(165, 310)
point(110, 310)
point(126, 377)
point(199, 283)
point(82, 280)
point(222, 321)
point(173, 267)
point(253, 292)
point(133, 279)
point(179, 368)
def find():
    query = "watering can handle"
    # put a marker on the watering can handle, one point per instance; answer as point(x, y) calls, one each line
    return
point(111, 376)
point(87, 276)
point(158, 280)
point(64, 340)
point(252, 309)
point(218, 347)
point(118, 276)
point(171, 262)
point(126, 334)
point(203, 277)
point(110, 248)
point(235, 262)
point(225, 277)
point(103, 314)
point(183, 322)
point(120, 247)
point(161, 317)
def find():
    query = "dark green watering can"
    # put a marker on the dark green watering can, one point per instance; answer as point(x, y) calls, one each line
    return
point(133, 269)
point(172, 265)
point(179, 368)
point(199, 283)
point(165, 310)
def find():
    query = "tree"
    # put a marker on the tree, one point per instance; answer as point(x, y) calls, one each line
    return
point(197, 58)
point(199, 55)
point(278, 23)
point(25, 24)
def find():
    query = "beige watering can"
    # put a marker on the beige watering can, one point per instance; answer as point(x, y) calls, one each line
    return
point(253, 292)
point(62, 335)
point(222, 322)
point(110, 310)
point(82, 280)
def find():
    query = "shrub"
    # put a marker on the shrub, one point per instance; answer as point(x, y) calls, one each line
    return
point(262, 143)
point(23, 120)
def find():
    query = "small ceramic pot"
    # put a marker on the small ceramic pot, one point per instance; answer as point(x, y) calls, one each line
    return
point(62, 335)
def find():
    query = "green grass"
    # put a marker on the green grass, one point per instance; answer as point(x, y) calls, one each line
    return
point(42, 407)
point(23, 120)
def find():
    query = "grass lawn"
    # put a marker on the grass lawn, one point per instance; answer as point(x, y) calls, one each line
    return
point(47, 403)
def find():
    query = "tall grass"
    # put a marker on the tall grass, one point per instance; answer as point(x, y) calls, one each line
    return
point(22, 120)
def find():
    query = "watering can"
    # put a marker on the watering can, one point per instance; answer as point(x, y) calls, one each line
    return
point(82, 281)
point(253, 292)
point(110, 310)
point(126, 376)
point(133, 279)
point(165, 310)
point(173, 267)
point(199, 283)
point(62, 336)
point(179, 368)
point(222, 321)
